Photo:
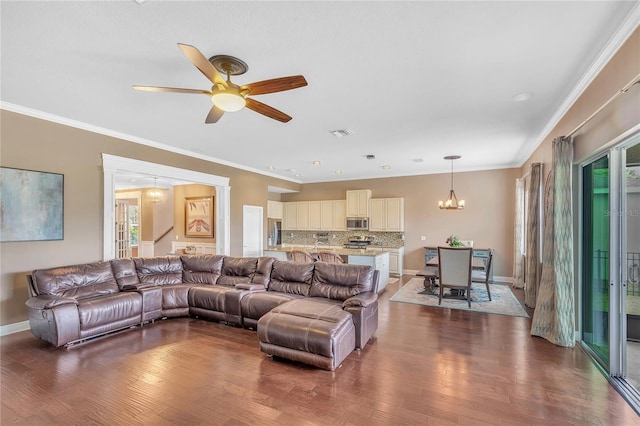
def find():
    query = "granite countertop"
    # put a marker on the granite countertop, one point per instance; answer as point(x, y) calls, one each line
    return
point(334, 249)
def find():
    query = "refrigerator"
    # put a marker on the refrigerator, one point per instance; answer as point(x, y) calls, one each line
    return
point(274, 232)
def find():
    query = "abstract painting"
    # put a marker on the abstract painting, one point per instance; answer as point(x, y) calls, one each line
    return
point(31, 205)
point(198, 217)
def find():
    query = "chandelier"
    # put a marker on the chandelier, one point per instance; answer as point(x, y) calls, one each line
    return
point(155, 195)
point(452, 202)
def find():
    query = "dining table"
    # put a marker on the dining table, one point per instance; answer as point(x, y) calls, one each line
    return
point(430, 274)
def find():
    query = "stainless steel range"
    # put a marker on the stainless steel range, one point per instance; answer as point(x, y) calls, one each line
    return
point(359, 242)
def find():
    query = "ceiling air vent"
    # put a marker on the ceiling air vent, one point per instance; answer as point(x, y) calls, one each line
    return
point(341, 132)
point(417, 160)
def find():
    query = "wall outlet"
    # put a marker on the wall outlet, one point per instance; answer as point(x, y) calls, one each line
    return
point(334, 236)
point(423, 238)
point(177, 237)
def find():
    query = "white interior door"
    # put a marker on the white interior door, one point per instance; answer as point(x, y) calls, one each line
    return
point(252, 230)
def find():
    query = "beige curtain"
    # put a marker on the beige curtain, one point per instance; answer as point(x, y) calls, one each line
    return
point(553, 318)
point(519, 232)
point(532, 276)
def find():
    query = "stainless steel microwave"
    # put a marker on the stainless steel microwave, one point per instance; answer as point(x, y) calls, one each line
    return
point(357, 223)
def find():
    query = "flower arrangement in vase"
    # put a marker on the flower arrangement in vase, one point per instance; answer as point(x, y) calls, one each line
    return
point(454, 241)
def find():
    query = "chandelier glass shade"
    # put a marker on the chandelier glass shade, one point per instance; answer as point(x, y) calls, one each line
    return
point(451, 202)
point(155, 195)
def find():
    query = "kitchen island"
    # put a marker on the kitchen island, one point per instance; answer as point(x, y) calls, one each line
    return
point(378, 258)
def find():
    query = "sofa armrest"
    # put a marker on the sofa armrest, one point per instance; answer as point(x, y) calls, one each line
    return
point(48, 302)
point(250, 287)
point(136, 287)
point(363, 299)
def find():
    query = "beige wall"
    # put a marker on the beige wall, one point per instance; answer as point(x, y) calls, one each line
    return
point(487, 218)
point(620, 116)
point(34, 144)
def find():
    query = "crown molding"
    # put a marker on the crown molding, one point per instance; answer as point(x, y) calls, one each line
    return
point(130, 138)
point(615, 42)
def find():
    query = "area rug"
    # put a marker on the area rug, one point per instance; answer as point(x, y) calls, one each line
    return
point(503, 301)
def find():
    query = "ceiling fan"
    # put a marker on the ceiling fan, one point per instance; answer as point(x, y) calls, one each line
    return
point(227, 96)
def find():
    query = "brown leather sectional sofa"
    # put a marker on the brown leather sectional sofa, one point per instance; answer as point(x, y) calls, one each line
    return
point(71, 304)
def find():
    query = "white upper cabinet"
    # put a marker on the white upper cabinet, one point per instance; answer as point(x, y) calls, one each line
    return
point(274, 209)
point(326, 215)
point(358, 203)
point(332, 215)
point(387, 214)
point(315, 215)
point(290, 218)
point(339, 215)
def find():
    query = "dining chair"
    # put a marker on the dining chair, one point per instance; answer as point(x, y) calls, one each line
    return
point(301, 256)
point(482, 276)
point(454, 264)
point(329, 257)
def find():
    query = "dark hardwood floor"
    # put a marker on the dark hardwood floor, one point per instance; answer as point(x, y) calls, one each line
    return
point(427, 366)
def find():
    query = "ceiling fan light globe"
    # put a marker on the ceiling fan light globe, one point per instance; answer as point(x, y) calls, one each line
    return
point(228, 102)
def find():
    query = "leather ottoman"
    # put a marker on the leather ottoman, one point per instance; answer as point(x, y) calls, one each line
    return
point(313, 331)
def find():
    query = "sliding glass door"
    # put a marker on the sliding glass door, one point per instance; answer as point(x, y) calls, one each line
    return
point(610, 267)
point(595, 259)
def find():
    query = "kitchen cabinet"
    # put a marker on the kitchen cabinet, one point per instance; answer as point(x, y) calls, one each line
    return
point(396, 261)
point(326, 215)
point(296, 215)
point(280, 255)
point(290, 217)
point(315, 215)
point(274, 209)
point(339, 215)
point(387, 214)
point(302, 209)
point(332, 215)
point(358, 203)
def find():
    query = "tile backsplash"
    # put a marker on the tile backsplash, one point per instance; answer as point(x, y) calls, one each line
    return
point(338, 238)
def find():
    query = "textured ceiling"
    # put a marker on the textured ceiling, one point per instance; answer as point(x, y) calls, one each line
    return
point(413, 80)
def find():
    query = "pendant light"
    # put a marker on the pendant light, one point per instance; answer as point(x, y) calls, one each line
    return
point(155, 195)
point(452, 202)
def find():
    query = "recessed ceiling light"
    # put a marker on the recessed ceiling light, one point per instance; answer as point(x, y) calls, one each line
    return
point(291, 170)
point(386, 167)
point(316, 163)
point(341, 132)
point(338, 172)
point(521, 97)
point(271, 167)
point(297, 174)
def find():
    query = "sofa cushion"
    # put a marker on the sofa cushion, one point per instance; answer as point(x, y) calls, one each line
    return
point(124, 270)
point(205, 269)
point(159, 270)
point(255, 305)
point(237, 270)
point(102, 310)
point(291, 277)
point(340, 281)
point(263, 271)
point(76, 281)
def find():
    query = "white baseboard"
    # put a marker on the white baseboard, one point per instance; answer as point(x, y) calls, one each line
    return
point(14, 328)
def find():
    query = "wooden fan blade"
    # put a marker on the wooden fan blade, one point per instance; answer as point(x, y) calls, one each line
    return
point(171, 89)
point(275, 85)
point(214, 115)
point(264, 109)
point(202, 63)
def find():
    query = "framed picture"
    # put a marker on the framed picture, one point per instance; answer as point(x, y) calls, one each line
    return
point(198, 217)
point(31, 205)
